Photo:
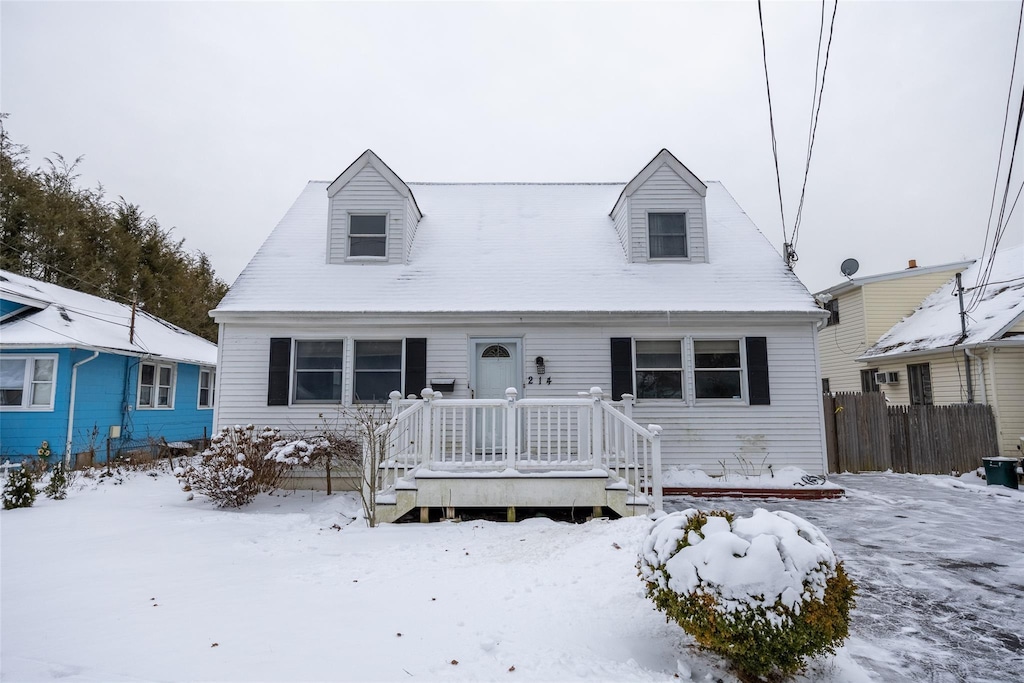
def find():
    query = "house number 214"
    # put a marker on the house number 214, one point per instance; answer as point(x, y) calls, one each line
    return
point(540, 380)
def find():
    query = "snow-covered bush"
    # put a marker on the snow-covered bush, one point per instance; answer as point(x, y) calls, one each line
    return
point(764, 591)
point(236, 467)
point(20, 490)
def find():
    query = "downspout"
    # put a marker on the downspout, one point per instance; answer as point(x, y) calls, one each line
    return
point(981, 368)
point(71, 407)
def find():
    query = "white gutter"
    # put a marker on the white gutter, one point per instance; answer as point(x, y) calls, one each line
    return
point(981, 367)
point(71, 407)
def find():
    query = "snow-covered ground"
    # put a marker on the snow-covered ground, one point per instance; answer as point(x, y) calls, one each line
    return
point(129, 581)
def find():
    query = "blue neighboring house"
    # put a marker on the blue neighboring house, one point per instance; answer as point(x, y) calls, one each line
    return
point(77, 370)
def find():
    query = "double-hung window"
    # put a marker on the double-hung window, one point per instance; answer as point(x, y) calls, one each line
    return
point(156, 385)
point(367, 235)
point(378, 370)
point(659, 369)
point(920, 379)
point(666, 235)
point(318, 371)
point(27, 382)
point(206, 385)
point(717, 369)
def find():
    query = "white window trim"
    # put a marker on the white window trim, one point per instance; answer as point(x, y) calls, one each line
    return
point(689, 371)
point(352, 394)
point(212, 387)
point(683, 372)
point(346, 363)
point(156, 386)
point(743, 398)
point(647, 233)
point(348, 236)
point(26, 395)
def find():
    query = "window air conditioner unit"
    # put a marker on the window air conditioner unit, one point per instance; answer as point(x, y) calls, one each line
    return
point(881, 378)
point(891, 377)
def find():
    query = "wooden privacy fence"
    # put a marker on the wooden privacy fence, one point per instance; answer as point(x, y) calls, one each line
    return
point(865, 434)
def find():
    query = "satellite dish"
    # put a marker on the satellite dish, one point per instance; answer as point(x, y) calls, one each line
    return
point(849, 267)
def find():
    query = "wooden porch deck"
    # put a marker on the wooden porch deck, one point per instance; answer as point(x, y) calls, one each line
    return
point(582, 453)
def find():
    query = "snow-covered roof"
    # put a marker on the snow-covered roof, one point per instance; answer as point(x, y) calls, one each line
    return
point(515, 247)
point(854, 282)
point(62, 317)
point(935, 324)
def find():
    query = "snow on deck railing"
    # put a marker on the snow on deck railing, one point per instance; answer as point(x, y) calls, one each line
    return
point(525, 435)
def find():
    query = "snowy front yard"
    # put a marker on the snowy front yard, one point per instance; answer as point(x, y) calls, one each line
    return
point(131, 582)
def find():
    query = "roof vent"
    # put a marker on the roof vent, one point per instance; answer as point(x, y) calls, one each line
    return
point(912, 263)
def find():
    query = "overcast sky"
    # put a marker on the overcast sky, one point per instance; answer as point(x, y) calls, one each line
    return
point(212, 116)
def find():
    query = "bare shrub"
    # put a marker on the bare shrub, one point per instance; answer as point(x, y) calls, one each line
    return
point(236, 467)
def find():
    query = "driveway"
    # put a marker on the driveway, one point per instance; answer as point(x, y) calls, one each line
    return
point(940, 566)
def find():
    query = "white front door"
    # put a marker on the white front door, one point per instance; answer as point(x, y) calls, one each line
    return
point(495, 368)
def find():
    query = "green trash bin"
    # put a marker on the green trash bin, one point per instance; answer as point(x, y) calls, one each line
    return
point(1001, 471)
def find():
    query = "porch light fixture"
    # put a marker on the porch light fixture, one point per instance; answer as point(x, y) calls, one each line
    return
point(540, 365)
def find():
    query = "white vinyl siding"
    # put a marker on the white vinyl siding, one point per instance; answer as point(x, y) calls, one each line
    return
point(367, 193)
point(577, 356)
point(410, 228)
point(666, 192)
point(621, 222)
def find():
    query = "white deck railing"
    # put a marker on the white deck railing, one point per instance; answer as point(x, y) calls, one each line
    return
point(559, 434)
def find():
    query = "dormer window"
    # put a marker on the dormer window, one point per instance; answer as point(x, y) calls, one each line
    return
point(666, 235)
point(367, 235)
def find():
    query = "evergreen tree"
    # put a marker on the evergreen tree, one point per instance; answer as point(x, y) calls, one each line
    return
point(20, 490)
point(54, 230)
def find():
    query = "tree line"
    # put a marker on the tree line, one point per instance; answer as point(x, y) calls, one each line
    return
point(53, 230)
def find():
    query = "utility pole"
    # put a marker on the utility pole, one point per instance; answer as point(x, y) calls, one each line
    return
point(131, 326)
point(963, 333)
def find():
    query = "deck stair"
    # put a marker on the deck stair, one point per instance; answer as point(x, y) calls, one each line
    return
point(581, 453)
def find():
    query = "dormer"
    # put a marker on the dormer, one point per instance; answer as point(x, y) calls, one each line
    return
point(372, 216)
point(661, 214)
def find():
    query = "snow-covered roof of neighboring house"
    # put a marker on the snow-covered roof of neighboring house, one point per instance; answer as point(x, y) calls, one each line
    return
point(516, 247)
point(62, 317)
point(854, 282)
point(935, 324)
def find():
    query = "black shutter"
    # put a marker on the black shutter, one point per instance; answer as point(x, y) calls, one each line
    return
point(415, 366)
point(622, 367)
point(280, 366)
point(757, 371)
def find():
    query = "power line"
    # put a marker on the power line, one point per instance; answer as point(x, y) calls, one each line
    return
point(34, 259)
point(813, 128)
point(771, 121)
point(997, 282)
point(789, 240)
point(986, 271)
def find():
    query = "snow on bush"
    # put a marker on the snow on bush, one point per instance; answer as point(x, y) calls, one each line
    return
point(764, 591)
point(20, 490)
point(237, 466)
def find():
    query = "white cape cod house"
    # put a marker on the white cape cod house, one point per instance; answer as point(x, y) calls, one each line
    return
point(514, 301)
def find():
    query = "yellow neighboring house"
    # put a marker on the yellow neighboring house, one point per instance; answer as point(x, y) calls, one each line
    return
point(862, 310)
point(879, 339)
